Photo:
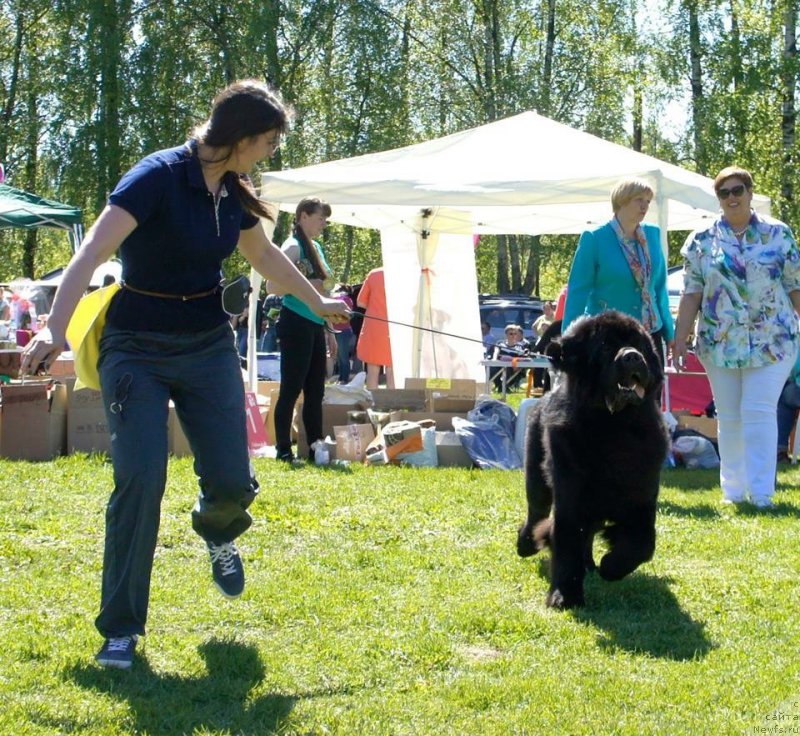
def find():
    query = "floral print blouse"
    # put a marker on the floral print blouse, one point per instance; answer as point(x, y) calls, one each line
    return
point(746, 316)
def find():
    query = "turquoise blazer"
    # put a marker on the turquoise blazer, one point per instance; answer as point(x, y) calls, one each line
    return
point(601, 279)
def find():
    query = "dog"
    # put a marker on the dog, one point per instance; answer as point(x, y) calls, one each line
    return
point(595, 446)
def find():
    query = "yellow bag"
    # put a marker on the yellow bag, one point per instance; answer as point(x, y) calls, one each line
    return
point(84, 332)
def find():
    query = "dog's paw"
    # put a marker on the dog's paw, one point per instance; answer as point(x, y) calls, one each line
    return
point(558, 600)
point(526, 546)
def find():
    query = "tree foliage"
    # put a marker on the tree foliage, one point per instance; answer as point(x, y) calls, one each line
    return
point(89, 86)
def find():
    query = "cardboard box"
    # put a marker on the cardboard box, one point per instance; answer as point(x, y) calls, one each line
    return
point(178, 444)
point(352, 441)
point(265, 388)
point(62, 367)
point(391, 399)
point(443, 420)
point(87, 427)
point(9, 362)
point(707, 426)
point(269, 422)
point(448, 395)
point(451, 452)
point(33, 420)
point(333, 415)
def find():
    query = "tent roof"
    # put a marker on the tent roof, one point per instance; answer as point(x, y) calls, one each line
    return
point(522, 174)
point(23, 209)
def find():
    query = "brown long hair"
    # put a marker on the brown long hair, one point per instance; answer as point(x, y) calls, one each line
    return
point(310, 205)
point(242, 110)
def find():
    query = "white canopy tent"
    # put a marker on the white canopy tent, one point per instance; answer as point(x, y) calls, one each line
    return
point(524, 174)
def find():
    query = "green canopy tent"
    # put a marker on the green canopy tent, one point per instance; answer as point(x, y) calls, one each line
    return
point(26, 210)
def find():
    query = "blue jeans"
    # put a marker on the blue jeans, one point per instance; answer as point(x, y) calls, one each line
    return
point(139, 373)
point(788, 404)
point(345, 344)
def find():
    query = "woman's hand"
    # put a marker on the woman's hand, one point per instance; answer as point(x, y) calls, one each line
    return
point(331, 310)
point(40, 352)
point(333, 347)
point(678, 351)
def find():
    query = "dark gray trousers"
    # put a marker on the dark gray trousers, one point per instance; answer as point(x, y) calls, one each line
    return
point(139, 374)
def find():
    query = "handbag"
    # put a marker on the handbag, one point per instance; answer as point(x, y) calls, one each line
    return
point(84, 332)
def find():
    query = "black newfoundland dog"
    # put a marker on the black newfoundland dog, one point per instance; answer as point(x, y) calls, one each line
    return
point(595, 446)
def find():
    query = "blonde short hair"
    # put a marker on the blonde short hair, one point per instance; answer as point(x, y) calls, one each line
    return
point(626, 189)
point(731, 172)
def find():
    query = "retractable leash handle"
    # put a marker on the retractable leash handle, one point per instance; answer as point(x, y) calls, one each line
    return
point(236, 295)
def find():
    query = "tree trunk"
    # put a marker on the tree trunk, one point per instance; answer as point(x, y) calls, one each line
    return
point(696, 56)
point(32, 131)
point(549, 51)
point(11, 96)
point(789, 111)
point(637, 117)
point(502, 265)
point(513, 255)
point(111, 21)
point(531, 283)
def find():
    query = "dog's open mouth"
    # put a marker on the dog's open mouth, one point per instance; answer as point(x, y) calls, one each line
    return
point(630, 388)
point(625, 396)
point(635, 388)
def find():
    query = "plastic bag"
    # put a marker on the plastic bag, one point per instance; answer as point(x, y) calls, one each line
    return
point(695, 452)
point(427, 456)
point(493, 410)
point(488, 443)
point(347, 394)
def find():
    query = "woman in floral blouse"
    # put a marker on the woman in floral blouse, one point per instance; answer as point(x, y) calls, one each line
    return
point(742, 275)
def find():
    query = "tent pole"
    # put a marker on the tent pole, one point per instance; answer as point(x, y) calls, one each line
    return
point(663, 214)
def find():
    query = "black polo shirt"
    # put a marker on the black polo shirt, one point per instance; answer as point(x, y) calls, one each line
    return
point(178, 245)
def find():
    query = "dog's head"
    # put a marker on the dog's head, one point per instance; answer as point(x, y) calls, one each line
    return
point(609, 359)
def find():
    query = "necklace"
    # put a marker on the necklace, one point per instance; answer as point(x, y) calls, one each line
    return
point(739, 233)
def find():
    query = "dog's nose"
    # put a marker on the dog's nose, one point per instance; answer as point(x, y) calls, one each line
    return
point(630, 355)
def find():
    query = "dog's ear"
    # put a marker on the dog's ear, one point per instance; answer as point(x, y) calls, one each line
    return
point(553, 351)
point(566, 353)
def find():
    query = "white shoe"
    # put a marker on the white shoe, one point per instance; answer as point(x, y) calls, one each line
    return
point(729, 501)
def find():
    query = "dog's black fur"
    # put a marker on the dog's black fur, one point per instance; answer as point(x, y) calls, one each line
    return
point(595, 446)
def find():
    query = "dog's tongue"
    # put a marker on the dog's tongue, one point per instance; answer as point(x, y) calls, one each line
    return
point(638, 389)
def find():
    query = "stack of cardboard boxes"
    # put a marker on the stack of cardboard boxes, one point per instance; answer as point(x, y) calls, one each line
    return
point(46, 417)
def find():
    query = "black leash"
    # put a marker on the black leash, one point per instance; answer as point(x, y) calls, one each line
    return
point(438, 332)
point(424, 329)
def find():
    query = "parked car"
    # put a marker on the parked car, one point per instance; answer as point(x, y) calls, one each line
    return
point(500, 310)
point(674, 287)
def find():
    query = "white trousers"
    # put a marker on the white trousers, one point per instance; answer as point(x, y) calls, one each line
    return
point(746, 400)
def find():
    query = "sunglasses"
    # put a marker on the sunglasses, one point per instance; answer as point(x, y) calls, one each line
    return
point(736, 191)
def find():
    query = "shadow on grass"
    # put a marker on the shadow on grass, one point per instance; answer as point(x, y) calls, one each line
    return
point(217, 701)
point(640, 614)
point(698, 511)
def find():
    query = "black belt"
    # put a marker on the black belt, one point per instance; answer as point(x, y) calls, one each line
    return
point(182, 297)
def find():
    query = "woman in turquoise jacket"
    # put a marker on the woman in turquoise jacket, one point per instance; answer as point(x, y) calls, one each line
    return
point(621, 265)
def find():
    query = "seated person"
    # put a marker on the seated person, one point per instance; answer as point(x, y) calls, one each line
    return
point(553, 331)
point(514, 346)
point(488, 340)
point(788, 405)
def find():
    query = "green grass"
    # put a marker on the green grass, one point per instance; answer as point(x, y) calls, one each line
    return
point(391, 601)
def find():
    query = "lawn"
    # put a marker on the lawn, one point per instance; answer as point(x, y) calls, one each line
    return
point(391, 601)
